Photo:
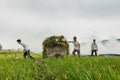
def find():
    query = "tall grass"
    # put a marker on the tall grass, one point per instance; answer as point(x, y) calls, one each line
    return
point(94, 68)
point(15, 54)
point(67, 68)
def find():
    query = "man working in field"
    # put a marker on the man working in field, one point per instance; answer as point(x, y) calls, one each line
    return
point(94, 48)
point(76, 46)
point(26, 49)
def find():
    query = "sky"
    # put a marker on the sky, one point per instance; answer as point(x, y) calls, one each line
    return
point(34, 20)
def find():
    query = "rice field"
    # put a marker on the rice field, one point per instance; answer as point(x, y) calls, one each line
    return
point(67, 68)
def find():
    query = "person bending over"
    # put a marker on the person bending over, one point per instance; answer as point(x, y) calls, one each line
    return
point(26, 49)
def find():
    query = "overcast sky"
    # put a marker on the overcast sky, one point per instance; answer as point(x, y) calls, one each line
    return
point(34, 20)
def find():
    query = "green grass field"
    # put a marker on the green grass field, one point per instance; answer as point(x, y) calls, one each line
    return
point(67, 68)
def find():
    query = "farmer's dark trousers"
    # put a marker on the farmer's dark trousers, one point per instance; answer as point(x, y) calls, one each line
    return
point(78, 52)
point(93, 52)
point(27, 53)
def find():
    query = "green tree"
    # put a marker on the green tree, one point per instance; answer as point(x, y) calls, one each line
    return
point(0, 47)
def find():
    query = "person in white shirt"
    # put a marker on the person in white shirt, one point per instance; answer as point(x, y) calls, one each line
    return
point(94, 48)
point(76, 46)
point(26, 49)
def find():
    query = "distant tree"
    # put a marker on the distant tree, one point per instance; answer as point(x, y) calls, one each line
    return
point(0, 47)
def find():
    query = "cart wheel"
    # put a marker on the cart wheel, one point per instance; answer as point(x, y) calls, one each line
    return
point(58, 56)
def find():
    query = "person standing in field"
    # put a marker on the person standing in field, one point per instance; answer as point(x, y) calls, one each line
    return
point(26, 49)
point(94, 48)
point(76, 46)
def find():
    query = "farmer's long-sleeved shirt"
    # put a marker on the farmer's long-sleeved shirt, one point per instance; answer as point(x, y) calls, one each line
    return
point(24, 46)
point(76, 44)
point(94, 46)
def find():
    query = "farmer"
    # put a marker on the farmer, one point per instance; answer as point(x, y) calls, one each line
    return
point(26, 49)
point(94, 48)
point(76, 46)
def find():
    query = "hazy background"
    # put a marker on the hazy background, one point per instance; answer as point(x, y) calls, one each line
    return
point(34, 20)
